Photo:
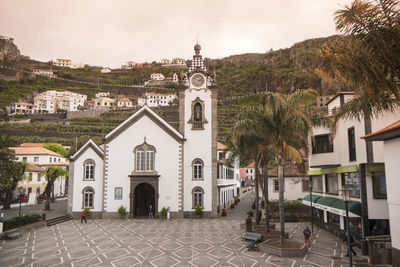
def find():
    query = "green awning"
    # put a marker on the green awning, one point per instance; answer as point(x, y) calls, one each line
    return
point(314, 198)
point(336, 203)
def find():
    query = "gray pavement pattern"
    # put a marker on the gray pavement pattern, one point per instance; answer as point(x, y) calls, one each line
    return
point(186, 242)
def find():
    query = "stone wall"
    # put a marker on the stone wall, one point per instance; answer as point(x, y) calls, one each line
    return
point(85, 114)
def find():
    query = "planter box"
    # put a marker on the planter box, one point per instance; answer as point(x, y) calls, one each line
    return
point(283, 252)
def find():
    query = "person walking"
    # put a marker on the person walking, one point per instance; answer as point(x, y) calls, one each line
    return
point(307, 234)
point(351, 246)
point(151, 212)
point(83, 216)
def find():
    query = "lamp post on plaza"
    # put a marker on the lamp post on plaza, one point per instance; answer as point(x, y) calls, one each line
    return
point(20, 206)
point(311, 206)
point(346, 197)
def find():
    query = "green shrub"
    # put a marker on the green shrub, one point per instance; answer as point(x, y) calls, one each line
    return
point(122, 212)
point(24, 220)
point(164, 212)
point(88, 213)
point(199, 210)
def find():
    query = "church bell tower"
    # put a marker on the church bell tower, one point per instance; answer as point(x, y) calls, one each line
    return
point(198, 124)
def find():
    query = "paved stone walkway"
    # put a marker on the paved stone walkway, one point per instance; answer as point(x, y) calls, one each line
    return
point(186, 242)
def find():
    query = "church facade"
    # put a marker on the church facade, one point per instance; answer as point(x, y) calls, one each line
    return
point(145, 161)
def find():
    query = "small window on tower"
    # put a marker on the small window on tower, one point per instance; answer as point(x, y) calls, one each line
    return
point(197, 119)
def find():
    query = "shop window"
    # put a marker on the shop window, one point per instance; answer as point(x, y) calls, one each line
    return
point(352, 180)
point(379, 185)
point(317, 183)
point(305, 185)
point(332, 184)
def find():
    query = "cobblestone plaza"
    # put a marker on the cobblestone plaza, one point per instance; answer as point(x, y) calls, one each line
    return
point(186, 242)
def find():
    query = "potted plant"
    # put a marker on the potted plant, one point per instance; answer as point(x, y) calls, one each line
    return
point(232, 205)
point(88, 213)
point(198, 211)
point(223, 213)
point(164, 212)
point(122, 212)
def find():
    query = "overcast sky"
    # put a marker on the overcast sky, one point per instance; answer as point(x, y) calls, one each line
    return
point(109, 33)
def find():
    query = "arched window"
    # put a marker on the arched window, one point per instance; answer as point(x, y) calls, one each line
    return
point(88, 196)
point(197, 196)
point(89, 167)
point(145, 158)
point(150, 159)
point(140, 160)
point(197, 169)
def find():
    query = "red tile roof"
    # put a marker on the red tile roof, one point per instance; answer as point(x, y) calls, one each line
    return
point(251, 165)
point(221, 146)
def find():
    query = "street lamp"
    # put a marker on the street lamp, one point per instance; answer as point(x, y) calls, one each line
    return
point(20, 207)
point(346, 197)
point(311, 206)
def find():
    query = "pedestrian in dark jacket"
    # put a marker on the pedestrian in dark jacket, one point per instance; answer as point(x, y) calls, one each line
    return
point(83, 216)
point(351, 245)
point(307, 235)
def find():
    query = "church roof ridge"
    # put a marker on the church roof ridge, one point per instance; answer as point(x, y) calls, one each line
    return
point(89, 143)
point(137, 115)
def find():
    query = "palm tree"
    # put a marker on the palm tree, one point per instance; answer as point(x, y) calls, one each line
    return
point(367, 58)
point(253, 144)
point(52, 174)
point(289, 120)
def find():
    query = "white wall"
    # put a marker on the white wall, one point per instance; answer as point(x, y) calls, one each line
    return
point(293, 189)
point(42, 158)
point(198, 145)
point(392, 168)
point(121, 163)
point(79, 184)
point(324, 158)
point(377, 208)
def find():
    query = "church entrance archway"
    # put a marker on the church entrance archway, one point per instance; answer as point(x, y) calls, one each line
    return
point(144, 196)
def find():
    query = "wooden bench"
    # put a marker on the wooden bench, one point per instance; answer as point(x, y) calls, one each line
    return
point(12, 234)
point(254, 238)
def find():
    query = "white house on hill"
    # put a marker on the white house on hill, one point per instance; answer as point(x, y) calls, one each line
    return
point(145, 161)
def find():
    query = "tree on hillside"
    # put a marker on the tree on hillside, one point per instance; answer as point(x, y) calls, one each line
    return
point(289, 120)
point(11, 171)
point(368, 59)
point(59, 149)
point(52, 174)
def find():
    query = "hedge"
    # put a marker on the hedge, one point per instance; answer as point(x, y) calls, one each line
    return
point(26, 219)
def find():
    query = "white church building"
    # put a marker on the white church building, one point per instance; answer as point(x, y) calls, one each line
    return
point(145, 161)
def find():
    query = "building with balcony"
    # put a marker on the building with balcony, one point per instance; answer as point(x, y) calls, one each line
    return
point(46, 73)
point(124, 103)
point(346, 160)
point(154, 99)
point(21, 107)
point(62, 62)
point(104, 103)
point(50, 101)
point(228, 178)
point(178, 61)
point(390, 137)
point(38, 158)
point(157, 77)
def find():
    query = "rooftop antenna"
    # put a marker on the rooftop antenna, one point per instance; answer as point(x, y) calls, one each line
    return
point(197, 42)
